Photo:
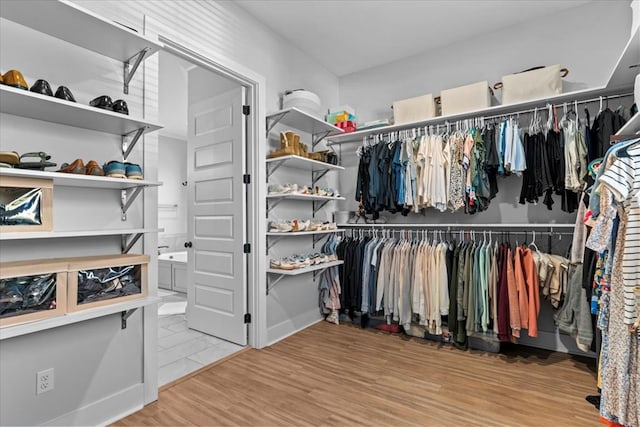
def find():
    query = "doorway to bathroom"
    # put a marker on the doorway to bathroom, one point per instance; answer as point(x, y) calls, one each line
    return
point(201, 207)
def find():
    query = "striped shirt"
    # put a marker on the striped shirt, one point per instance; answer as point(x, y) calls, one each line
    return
point(623, 178)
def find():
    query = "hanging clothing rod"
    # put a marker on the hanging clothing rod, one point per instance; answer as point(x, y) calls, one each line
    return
point(478, 233)
point(456, 225)
point(440, 121)
point(568, 103)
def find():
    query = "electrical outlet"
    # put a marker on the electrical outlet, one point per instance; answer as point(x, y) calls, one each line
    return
point(44, 381)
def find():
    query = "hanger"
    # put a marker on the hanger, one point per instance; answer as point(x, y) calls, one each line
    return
point(533, 242)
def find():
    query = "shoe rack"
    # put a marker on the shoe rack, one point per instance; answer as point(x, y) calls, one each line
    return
point(319, 129)
point(84, 29)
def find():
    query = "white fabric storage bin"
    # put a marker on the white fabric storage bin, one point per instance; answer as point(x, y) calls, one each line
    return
point(414, 109)
point(463, 99)
point(535, 84)
point(303, 100)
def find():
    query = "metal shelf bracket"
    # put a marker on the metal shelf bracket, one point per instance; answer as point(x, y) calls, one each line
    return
point(127, 199)
point(271, 242)
point(317, 176)
point(318, 205)
point(125, 315)
point(271, 283)
point(272, 205)
point(131, 65)
point(127, 146)
point(127, 243)
point(272, 167)
point(318, 137)
point(274, 121)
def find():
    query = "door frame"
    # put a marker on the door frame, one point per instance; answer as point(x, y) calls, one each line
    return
point(256, 150)
point(255, 121)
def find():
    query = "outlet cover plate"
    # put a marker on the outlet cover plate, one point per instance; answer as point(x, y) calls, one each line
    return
point(44, 381)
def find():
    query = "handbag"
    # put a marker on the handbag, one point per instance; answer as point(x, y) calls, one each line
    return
point(23, 210)
point(534, 83)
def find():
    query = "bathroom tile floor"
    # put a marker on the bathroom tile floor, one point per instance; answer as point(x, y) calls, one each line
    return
point(182, 350)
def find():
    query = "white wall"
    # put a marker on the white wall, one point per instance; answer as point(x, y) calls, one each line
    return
point(172, 96)
point(588, 40)
point(204, 84)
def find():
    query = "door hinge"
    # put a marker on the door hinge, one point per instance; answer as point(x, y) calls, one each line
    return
point(247, 318)
point(246, 178)
point(246, 110)
point(247, 248)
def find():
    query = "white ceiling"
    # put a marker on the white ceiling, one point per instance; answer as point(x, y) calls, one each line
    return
point(347, 36)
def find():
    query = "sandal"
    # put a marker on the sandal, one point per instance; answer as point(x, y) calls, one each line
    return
point(43, 163)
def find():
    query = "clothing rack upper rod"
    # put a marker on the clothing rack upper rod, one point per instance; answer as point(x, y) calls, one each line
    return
point(443, 120)
point(506, 225)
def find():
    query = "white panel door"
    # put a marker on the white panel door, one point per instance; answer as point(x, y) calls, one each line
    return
point(216, 286)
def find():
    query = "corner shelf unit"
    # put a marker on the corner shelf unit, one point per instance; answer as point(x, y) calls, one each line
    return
point(315, 269)
point(304, 122)
point(65, 21)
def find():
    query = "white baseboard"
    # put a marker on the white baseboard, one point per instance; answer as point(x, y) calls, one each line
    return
point(101, 412)
point(289, 327)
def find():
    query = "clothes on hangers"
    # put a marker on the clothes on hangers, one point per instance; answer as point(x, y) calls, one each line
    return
point(482, 287)
point(616, 234)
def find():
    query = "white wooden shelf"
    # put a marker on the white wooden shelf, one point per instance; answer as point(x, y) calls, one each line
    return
point(303, 197)
point(298, 271)
point(78, 233)
point(626, 69)
point(302, 233)
point(71, 318)
point(632, 126)
point(76, 180)
point(48, 108)
point(490, 111)
point(76, 25)
point(302, 121)
point(297, 162)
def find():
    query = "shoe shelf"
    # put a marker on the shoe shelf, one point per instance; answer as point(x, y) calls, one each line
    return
point(318, 201)
point(304, 122)
point(125, 308)
point(84, 181)
point(280, 274)
point(318, 169)
point(66, 21)
point(317, 236)
point(48, 108)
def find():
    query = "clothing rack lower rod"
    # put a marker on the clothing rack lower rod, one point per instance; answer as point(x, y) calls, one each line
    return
point(456, 225)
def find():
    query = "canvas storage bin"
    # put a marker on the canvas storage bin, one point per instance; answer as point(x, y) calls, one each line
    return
point(32, 290)
point(464, 99)
point(532, 84)
point(414, 109)
point(26, 204)
point(102, 280)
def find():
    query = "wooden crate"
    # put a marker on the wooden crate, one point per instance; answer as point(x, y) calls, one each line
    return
point(11, 186)
point(34, 268)
point(100, 262)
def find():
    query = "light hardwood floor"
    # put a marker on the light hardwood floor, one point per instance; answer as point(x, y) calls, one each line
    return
point(330, 375)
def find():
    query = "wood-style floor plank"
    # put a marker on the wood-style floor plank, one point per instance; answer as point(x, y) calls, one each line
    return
point(330, 375)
